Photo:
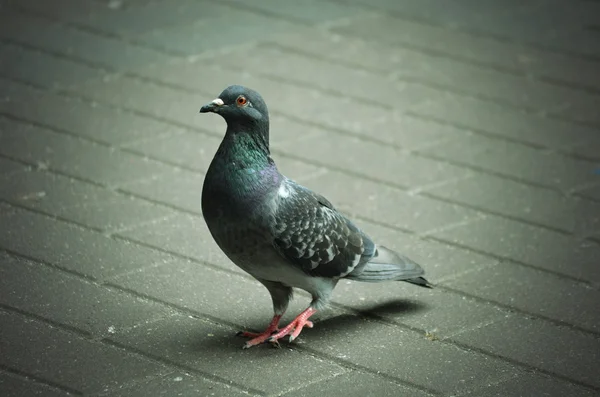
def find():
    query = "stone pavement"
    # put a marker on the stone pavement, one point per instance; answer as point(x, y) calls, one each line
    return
point(465, 134)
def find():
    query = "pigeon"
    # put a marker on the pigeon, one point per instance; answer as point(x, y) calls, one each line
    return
point(280, 232)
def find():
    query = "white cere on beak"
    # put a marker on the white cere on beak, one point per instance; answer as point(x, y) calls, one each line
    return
point(218, 102)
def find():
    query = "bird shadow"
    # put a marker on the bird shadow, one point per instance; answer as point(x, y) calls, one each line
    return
point(392, 307)
point(328, 328)
point(366, 316)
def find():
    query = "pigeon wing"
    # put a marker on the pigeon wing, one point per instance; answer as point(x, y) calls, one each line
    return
point(311, 234)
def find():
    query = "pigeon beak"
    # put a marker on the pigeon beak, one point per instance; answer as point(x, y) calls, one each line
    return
point(212, 107)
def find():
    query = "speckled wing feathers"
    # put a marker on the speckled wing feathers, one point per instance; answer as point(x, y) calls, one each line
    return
point(310, 233)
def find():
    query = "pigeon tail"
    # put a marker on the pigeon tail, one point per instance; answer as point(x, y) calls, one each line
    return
point(387, 265)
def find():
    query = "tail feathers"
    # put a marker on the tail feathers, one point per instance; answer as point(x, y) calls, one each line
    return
point(388, 265)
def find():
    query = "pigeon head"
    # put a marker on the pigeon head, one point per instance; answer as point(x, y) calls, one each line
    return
point(239, 105)
point(247, 119)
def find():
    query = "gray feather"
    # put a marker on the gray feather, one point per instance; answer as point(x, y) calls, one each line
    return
point(387, 265)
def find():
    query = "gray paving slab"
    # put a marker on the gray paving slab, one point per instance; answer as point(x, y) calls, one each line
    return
point(66, 299)
point(47, 149)
point(357, 384)
point(367, 42)
point(13, 385)
point(436, 314)
point(388, 205)
point(540, 345)
point(89, 120)
point(543, 385)
point(77, 201)
point(67, 359)
point(511, 160)
point(524, 202)
point(561, 253)
point(443, 260)
point(71, 247)
point(106, 52)
point(406, 355)
point(383, 167)
point(175, 384)
point(535, 292)
point(58, 72)
point(213, 349)
point(462, 134)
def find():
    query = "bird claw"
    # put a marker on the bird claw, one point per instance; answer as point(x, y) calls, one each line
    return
point(274, 342)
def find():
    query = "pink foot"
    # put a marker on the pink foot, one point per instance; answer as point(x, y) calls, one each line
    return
point(258, 338)
point(295, 327)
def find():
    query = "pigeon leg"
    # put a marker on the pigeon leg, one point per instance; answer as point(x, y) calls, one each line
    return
point(272, 328)
point(295, 327)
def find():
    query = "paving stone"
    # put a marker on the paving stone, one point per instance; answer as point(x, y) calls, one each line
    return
point(511, 22)
point(9, 167)
point(58, 72)
point(78, 201)
point(473, 48)
point(406, 355)
point(464, 13)
point(592, 192)
point(419, 50)
point(437, 313)
point(300, 171)
point(378, 202)
point(529, 203)
point(182, 234)
point(559, 350)
point(159, 101)
point(543, 385)
point(189, 149)
point(517, 241)
point(47, 149)
point(180, 189)
point(191, 39)
point(311, 12)
point(13, 385)
point(123, 21)
point(67, 359)
point(66, 299)
point(497, 120)
point(355, 384)
point(379, 161)
point(91, 120)
point(534, 292)
point(589, 149)
point(519, 90)
point(214, 349)
point(373, 88)
point(439, 260)
point(108, 52)
point(176, 384)
point(513, 160)
point(70, 247)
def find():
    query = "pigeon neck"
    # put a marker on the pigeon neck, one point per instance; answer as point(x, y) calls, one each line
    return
point(250, 138)
point(247, 150)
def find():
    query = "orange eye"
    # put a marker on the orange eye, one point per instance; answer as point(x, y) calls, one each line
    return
point(241, 100)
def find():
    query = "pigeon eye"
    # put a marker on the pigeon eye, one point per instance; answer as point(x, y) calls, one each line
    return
point(241, 100)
